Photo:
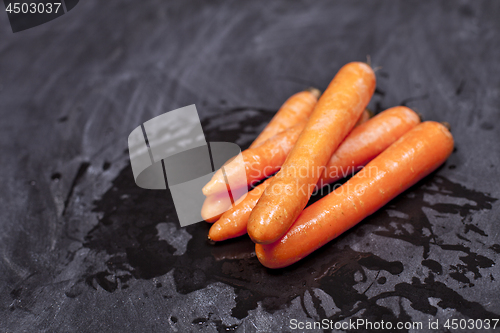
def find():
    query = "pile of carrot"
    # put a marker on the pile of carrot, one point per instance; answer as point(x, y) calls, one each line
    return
point(314, 140)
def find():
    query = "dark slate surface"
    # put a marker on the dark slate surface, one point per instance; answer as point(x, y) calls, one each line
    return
point(83, 249)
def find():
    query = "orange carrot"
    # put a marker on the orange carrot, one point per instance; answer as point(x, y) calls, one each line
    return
point(412, 157)
point(334, 116)
point(260, 162)
point(361, 145)
point(295, 110)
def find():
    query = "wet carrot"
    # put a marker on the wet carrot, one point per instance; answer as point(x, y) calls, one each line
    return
point(295, 110)
point(361, 145)
point(334, 116)
point(412, 157)
point(260, 162)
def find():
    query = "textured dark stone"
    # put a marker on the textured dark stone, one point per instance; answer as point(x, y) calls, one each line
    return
point(84, 249)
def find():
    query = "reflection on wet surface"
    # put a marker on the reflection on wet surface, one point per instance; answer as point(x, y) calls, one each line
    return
point(140, 235)
point(128, 233)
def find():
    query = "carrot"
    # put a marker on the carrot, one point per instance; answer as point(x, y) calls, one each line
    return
point(295, 110)
point(412, 157)
point(334, 116)
point(361, 145)
point(260, 162)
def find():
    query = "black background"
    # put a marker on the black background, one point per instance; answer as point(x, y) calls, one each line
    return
point(83, 249)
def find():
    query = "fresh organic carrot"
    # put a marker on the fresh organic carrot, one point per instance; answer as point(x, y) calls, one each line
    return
point(260, 162)
point(361, 145)
point(412, 157)
point(334, 116)
point(216, 204)
point(295, 110)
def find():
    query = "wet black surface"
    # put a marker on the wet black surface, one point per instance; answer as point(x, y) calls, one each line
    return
point(84, 249)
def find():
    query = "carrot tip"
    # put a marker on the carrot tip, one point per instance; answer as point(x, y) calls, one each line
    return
point(210, 240)
point(447, 125)
point(315, 92)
